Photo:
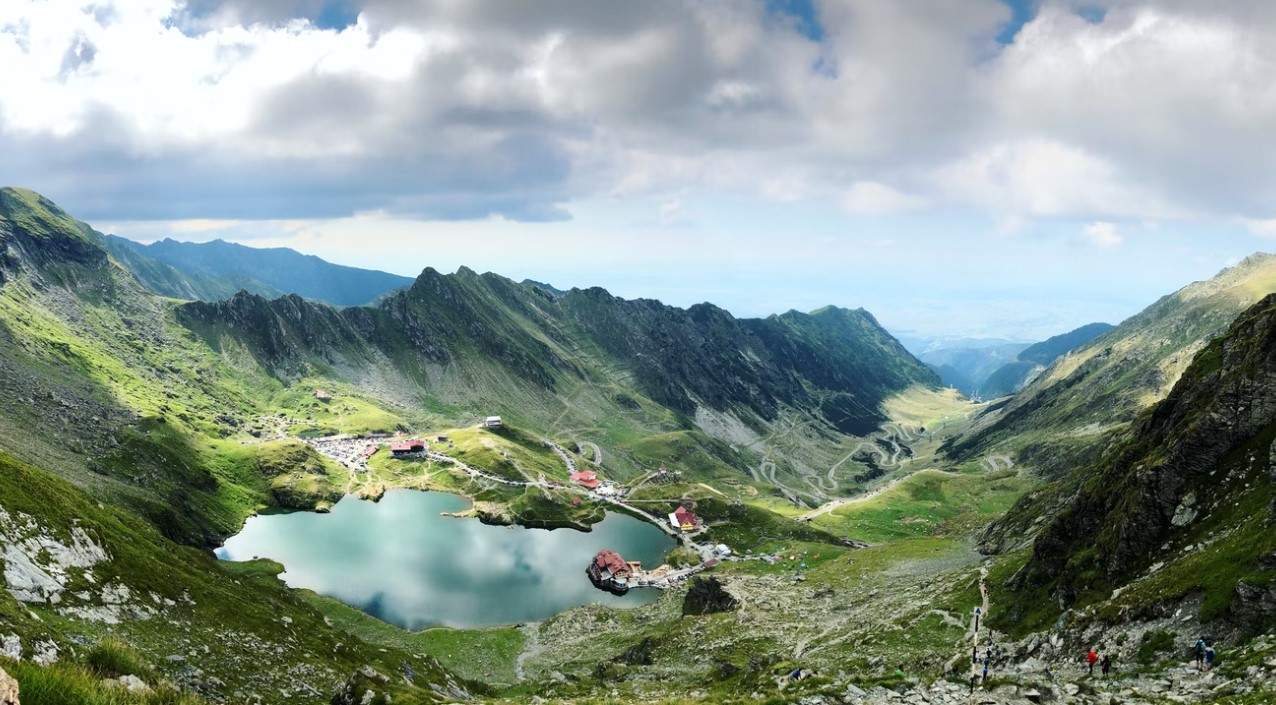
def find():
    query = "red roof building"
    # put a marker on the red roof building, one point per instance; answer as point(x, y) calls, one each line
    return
point(686, 518)
point(609, 563)
point(586, 478)
point(412, 445)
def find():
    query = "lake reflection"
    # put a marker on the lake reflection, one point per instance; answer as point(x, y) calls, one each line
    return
point(402, 562)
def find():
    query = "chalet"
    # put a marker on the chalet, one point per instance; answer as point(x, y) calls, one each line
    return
point(586, 478)
point(685, 519)
point(323, 395)
point(608, 571)
point(492, 422)
point(412, 446)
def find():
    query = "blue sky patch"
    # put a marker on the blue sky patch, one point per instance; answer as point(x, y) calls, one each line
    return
point(803, 12)
point(1022, 12)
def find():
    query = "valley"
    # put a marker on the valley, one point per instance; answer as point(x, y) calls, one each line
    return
point(1123, 498)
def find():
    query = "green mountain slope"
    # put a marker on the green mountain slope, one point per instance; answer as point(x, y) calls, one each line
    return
point(1048, 350)
point(1103, 385)
point(1190, 487)
point(1012, 376)
point(215, 270)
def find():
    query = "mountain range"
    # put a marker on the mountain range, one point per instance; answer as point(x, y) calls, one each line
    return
point(215, 270)
point(1012, 376)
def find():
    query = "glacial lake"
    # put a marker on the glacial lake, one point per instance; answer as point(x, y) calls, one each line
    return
point(399, 560)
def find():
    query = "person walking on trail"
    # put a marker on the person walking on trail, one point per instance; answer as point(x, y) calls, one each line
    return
point(1199, 650)
point(984, 679)
point(1091, 658)
point(1209, 657)
point(1106, 665)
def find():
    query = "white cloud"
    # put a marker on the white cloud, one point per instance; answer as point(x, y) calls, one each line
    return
point(450, 109)
point(1046, 178)
point(873, 198)
point(1264, 227)
point(1103, 234)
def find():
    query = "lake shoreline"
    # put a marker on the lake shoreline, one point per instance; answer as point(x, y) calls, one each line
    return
point(413, 560)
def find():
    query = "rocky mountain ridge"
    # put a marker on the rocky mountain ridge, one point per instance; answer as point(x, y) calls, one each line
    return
point(838, 363)
point(1191, 488)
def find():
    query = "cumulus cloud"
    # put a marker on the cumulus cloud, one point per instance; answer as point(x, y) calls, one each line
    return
point(462, 109)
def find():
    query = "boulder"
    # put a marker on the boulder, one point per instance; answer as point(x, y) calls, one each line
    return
point(707, 596)
point(8, 689)
point(1253, 607)
point(639, 654)
point(362, 688)
point(133, 684)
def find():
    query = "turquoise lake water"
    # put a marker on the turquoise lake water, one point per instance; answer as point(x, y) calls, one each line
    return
point(401, 561)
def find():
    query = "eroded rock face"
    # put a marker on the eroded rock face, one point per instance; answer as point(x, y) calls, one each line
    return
point(707, 596)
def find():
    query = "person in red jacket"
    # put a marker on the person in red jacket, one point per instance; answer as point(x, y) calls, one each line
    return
point(1092, 658)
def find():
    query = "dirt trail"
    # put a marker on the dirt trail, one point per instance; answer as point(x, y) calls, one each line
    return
point(977, 623)
point(532, 648)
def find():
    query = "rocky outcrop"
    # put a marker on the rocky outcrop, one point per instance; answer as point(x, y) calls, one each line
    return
point(284, 334)
point(38, 566)
point(707, 596)
point(364, 687)
point(1252, 607)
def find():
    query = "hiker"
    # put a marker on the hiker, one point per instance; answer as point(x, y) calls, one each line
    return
point(1091, 658)
point(1106, 665)
point(985, 676)
point(1199, 650)
point(1209, 657)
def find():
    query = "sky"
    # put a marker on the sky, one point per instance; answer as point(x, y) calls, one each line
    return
point(1007, 168)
